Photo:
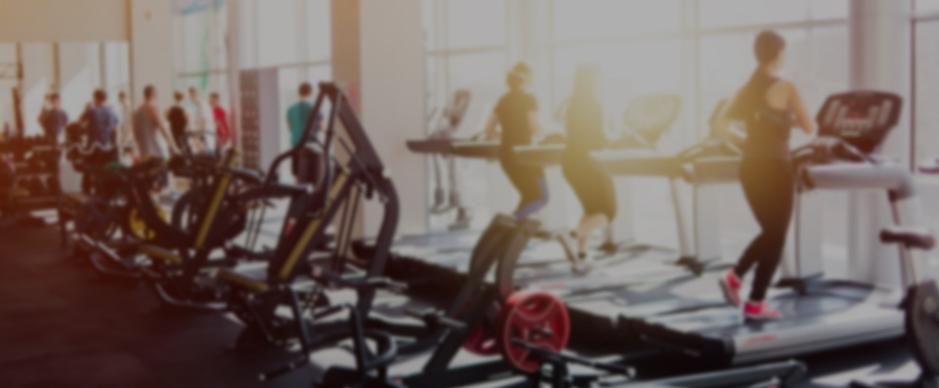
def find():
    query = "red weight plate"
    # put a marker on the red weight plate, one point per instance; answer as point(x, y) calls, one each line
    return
point(537, 318)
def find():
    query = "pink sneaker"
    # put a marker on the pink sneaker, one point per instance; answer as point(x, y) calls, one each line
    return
point(760, 311)
point(730, 286)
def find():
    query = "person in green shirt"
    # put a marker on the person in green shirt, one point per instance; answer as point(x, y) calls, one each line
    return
point(298, 118)
point(298, 115)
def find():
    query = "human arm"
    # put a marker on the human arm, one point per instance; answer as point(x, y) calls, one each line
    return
point(727, 114)
point(534, 124)
point(491, 131)
point(797, 106)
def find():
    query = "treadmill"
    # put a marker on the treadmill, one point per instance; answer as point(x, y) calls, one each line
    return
point(648, 118)
point(818, 314)
point(452, 248)
point(714, 160)
point(443, 124)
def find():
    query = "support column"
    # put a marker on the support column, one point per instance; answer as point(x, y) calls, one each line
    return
point(381, 67)
point(880, 53)
point(233, 44)
point(347, 47)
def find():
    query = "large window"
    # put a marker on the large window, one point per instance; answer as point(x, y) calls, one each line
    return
point(926, 75)
point(636, 44)
point(293, 36)
point(729, 13)
point(924, 7)
point(467, 48)
point(199, 28)
point(925, 96)
point(700, 50)
point(289, 34)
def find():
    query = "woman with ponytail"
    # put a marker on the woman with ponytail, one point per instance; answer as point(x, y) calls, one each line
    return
point(517, 115)
point(769, 107)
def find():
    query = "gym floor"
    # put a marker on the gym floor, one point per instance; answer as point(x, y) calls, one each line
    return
point(63, 325)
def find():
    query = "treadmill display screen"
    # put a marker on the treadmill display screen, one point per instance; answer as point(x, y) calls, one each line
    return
point(862, 119)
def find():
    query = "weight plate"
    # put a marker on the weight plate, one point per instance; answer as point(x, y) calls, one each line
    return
point(537, 318)
point(922, 323)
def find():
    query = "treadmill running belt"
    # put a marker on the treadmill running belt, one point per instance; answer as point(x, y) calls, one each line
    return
point(811, 323)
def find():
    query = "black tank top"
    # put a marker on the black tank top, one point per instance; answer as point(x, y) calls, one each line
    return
point(512, 112)
point(768, 128)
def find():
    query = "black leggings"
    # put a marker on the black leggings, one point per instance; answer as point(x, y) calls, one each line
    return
point(591, 183)
point(768, 187)
point(530, 183)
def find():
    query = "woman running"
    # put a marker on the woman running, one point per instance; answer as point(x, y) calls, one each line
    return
point(517, 115)
point(769, 107)
point(585, 133)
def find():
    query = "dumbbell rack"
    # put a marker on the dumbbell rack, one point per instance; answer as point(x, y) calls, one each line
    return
point(34, 184)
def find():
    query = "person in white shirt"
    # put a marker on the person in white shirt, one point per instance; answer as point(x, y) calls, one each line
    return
point(125, 129)
point(201, 123)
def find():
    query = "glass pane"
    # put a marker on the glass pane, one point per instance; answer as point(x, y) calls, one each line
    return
point(476, 23)
point(317, 74)
point(79, 74)
point(722, 13)
point(212, 83)
point(828, 70)
point(289, 81)
point(815, 60)
point(318, 34)
point(927, 73)
point(926, 144)
point(927, 6)
point(278, 33)
point(829, 9)
point(429, 9)
point(38, 80)
point(6, 104)
point(483, 74)
point(248, 32)
point(627, 71)
point(436, 82)
point(200, 27)
point(116, 57)
point(726, 64)
point(7, 53)
point(576, 19)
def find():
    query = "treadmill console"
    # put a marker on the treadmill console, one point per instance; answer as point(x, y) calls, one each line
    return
point(862, 119)
point(651, 116)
